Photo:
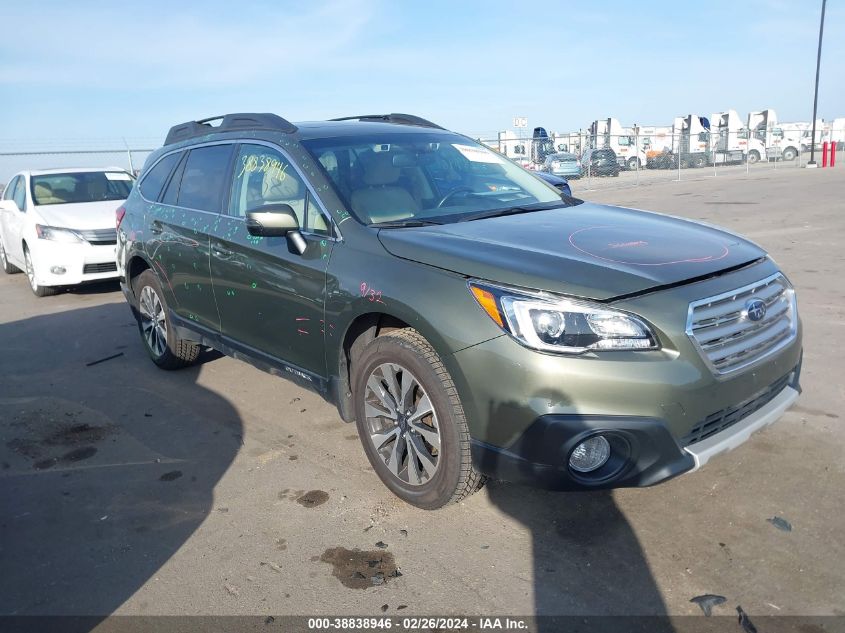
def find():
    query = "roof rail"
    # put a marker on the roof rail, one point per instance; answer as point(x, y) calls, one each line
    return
point(229, 123)
point(393, 117)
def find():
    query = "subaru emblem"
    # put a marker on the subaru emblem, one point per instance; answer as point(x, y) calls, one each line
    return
point(755, 309)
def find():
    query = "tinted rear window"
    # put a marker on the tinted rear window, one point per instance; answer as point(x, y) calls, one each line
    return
point(155, 178)
point(204, 178)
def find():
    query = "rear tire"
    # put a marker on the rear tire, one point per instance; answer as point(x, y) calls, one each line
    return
point(416, 436)
point(790, 153)
point(633, 163)
point(698, 162)
point(8, 268)
point(38, 291)
point(159, 337)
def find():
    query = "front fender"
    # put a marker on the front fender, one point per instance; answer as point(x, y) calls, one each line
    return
point(368, 283)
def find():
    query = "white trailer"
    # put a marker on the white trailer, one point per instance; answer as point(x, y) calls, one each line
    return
point(572, 143)
point(512, 145)
point(834, 133)
point(655, 139)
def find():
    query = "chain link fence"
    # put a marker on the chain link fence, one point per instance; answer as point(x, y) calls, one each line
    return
point(18, 155)
point(596, 158)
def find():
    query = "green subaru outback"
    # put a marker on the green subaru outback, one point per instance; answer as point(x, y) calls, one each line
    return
point(470, 319)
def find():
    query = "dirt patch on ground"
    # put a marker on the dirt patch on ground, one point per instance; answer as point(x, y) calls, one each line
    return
point(70, 434)
point(359, 569)
point(76, 455)
point(42, 430)
point(313, 498)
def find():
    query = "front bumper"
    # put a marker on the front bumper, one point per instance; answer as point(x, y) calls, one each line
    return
point(82, 262)
point(667, 398)
point(643, 451)
point(727, 440)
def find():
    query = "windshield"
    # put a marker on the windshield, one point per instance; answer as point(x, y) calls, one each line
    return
point(439, 177)
point(93, 186)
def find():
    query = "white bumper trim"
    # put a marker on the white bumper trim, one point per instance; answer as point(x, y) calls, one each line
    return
point(737, 434)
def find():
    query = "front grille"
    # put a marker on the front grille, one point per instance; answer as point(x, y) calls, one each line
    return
point(725, 418)
point(725, 335)
point(99, 236)
point(107, 267)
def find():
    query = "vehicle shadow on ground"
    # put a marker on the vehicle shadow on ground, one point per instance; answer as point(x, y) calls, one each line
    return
point(107, 469)
point(587, 560)
point(95, 288)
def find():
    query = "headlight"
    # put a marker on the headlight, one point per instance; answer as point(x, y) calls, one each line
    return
point(557, 324)
point(56, 234)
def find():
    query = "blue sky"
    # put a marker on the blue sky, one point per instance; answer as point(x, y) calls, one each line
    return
point(96, 70)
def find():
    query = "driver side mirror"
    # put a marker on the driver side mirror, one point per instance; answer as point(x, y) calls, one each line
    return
point(276, 220)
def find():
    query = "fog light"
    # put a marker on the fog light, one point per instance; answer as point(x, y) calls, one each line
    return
point(58, 270)
point(590, 454)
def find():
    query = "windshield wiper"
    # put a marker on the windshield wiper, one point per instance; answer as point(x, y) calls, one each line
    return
point(404, 224)
point(495, 213)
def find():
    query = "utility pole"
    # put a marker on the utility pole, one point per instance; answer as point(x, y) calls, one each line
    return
point(812, 162)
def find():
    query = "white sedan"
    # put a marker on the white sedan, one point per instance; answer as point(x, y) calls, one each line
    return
point(59, 225)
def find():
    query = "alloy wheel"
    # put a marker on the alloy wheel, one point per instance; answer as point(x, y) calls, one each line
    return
point(30, 270)
point(402, 424)
point(153, 323)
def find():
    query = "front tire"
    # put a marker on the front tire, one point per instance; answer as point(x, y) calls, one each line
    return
point(790, 154)
point(753, 157)
point(38, 291)
point(8, 268)
point(159, 337)
point(411, 421)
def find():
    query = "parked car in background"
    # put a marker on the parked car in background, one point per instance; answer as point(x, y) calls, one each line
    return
point(563, 164)
point(470, 320)
point(556, 182)
point(599, 162)
point(58, 225)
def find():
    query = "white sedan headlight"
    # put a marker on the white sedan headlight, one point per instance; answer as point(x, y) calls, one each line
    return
point(562, 325)
point(57, 234)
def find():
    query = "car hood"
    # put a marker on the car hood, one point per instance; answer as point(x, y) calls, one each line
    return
point(80, 215)
point(589, 250)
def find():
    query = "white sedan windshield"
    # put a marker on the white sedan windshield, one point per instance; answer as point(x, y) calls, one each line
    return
point(69, 188)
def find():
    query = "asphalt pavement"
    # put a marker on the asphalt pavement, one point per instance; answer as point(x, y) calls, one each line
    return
point(223, 490)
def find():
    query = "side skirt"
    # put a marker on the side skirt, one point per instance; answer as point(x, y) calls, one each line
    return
point(191, 331)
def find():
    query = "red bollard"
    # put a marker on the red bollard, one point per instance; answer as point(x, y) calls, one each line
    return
point(824, 154)
point(832, 154)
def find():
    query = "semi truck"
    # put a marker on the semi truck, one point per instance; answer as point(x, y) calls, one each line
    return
point(779, 141)
point(688, 142)
point(730, 140)
point(609, 133)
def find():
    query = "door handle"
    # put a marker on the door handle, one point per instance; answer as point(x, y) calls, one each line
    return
point(156, 227)
point(221, 253)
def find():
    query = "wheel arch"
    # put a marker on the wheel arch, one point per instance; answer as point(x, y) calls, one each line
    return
point(360, 330)
point(137, 264)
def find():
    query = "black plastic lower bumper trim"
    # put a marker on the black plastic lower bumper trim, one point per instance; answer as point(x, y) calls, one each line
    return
point(643, 453)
